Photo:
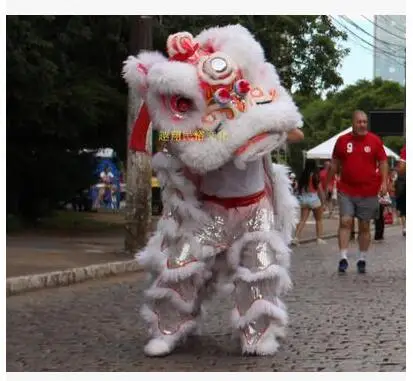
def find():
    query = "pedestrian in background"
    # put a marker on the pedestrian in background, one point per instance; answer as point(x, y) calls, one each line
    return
point(311, 198)
point(328, 188)
point(357, 155)
point(401, 189)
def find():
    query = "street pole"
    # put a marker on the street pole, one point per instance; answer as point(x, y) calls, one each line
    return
point(138, 211)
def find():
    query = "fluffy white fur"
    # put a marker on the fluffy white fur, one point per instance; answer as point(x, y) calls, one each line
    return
point(267, 345)
point(154, 76)
point(238, 43)
point(260, 149)
point(160, 344)
point(136, 78)
point(280, 274)
point(179, 193)
point(286, 204)
point(259, 308)
point(172, 78)
point(273, 238)
point(173, 297)
point(169, 227)
point(211, 153)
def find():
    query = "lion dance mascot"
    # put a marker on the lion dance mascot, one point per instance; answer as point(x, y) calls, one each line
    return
point(228, 212)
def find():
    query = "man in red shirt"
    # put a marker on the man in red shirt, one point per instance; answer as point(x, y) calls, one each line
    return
point(357, 155)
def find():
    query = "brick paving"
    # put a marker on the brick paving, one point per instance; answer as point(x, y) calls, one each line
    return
point(338, 323)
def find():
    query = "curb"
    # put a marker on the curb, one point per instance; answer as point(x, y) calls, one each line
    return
point(21, 284)
point(25, 283)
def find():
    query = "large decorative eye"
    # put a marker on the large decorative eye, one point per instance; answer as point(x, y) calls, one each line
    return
point(181, 104)
point(217, 69)
point(218, 64)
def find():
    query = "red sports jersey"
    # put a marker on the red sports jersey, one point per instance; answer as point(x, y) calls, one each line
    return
point(403, 153)
point(359, 157)
point(323, 179)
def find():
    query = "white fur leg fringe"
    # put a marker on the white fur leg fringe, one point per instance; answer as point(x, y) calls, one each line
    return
point(160, 344)
point(280, 274)
point(267, 343)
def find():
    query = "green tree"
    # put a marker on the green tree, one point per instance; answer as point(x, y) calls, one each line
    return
point(326, 117)
point(304, 49)
point(65, 91)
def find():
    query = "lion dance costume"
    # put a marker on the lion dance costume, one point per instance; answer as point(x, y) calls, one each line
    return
point(228, 212)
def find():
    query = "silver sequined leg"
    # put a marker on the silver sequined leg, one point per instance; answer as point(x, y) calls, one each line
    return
point(173, 301)
point(260, 260)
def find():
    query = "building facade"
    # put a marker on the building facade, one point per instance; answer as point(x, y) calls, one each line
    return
point(390, 48)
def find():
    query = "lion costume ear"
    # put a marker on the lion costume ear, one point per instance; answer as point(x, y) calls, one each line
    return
point(136, 68)
point(135, 72)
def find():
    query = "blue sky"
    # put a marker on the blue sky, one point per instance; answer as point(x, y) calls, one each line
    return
point(359, 62)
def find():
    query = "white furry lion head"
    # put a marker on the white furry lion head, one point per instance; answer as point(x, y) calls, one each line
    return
point(215, 96)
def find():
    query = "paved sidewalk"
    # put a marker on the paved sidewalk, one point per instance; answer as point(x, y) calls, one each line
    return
point(337, 323)
point(36, 254)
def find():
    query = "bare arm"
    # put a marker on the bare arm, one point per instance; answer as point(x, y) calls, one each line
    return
point(321, 194)
point(401, 167)
point(335, 165)
point(295, 135)
point(384, 171)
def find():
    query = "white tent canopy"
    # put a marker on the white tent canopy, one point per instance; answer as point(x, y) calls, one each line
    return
point(325, 149)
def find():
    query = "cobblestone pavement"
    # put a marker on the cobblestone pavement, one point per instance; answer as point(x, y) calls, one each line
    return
point(338, 323)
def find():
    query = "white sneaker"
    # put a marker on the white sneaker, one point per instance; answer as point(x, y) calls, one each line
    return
point(321, 241)
point(295, 242)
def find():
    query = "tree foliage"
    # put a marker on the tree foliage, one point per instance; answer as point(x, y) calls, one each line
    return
point(326, 117)
point(65, 91)
point(304, 49)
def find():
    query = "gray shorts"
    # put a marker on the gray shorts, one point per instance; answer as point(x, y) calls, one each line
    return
point(364, 208)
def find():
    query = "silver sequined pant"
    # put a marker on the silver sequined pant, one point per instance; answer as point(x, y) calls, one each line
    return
point(243, 250)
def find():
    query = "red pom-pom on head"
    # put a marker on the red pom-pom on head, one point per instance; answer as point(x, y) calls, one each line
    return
point(242, 87)
point(222, 96)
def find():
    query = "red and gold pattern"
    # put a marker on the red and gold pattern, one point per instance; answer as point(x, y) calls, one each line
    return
point(226, 93)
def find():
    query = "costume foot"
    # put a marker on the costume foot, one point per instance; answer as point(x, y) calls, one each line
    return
point(158, 347)
point(267, 345)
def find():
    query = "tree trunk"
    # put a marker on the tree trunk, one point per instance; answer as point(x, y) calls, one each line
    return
point(138, 211)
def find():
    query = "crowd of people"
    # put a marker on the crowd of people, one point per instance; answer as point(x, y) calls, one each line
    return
point(358, 182)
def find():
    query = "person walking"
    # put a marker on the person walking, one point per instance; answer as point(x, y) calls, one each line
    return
point(328, 188)
point(401, 189)
point(380, 221)
point(311, 198)
point(358, 154)
point(392, 190)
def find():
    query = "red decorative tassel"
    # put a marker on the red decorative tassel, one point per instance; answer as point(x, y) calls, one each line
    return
point(140, 131)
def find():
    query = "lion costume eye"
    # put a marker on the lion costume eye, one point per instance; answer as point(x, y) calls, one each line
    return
point(180, 104)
